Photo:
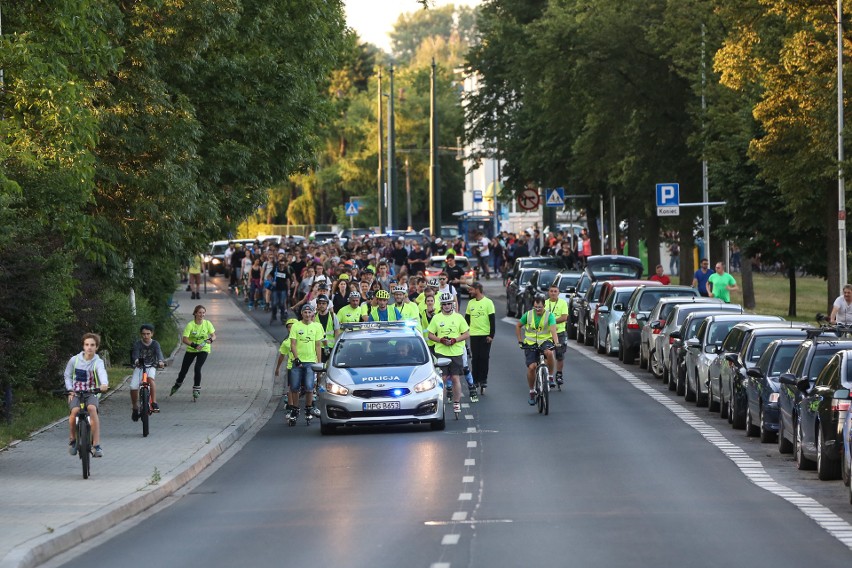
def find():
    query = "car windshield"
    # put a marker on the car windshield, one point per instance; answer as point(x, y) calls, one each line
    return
point(218, 249)
point(568, 281)
point(783, 358)
point(461, 261)
point(380, 352)
point(545, 278)
point(544, 262)
point(694, 324)
point(525, 277)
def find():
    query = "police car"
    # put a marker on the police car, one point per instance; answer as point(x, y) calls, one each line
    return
point(381, 373)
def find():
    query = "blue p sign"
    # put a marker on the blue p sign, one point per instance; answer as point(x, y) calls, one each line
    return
point(668, 194)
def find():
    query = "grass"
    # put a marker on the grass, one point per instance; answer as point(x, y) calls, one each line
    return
point(33, 410)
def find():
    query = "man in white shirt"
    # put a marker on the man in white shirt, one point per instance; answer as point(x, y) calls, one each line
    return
point(484, 254)
point(841, 310)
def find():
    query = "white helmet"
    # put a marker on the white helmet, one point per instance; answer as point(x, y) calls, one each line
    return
point(399, 289)
point(447, 298)
point(433, 282)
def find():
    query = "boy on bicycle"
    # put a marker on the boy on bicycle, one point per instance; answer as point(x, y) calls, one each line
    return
point(84, 372)
point(539, 327)
point(147, 353)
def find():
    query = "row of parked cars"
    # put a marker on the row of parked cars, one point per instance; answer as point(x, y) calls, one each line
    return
point(788, 383)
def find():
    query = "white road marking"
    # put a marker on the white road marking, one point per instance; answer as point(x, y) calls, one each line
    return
point(459, 516)
point(467, 479)
point(465, 496)
point(450, 539)
point(469, 462)
point(752, 469)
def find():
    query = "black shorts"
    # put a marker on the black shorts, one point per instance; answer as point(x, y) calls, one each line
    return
point(456, 366)
point(530, 355)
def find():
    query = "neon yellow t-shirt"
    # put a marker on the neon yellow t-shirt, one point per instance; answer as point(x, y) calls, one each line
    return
point(348, 314)
point(306, 336)
point(198, 333)
point(285, 351)
point(452, 325)
point(479, 312)
point(409, 311)
point(558, 308)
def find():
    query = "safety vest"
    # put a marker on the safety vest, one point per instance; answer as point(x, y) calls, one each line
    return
point(393, 314)
point(424, 324)
point(409, 311)
point(329, 327)
point(537, 333)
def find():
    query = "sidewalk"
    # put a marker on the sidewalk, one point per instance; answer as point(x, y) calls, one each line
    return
point(44, 496)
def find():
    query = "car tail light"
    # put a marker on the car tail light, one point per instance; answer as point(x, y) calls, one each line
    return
point(839, 405)
point(773, 397)
point(671, 340)
point(632, 322)
point(468, 274)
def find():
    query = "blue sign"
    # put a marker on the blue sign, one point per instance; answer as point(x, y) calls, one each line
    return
point(351, 208)
point(555, 197)
point(477, 196)
point(668, 194)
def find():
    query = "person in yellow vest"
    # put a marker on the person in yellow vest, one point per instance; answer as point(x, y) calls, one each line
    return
point(426, 315)
point(407, 308)
point(351, 313)
point(329, 323)
point(306, 337)
point(383, 312)
point(449, 331)
point(539, 328)
point(559, 308)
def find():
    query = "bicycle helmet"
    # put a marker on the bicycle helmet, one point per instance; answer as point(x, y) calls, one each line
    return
point(433, 282)
point(399, 289)
point(447, 298)
point(382, 295)
point(322, 298)
point(355, 295)
point(539, 298)
point(291, 321)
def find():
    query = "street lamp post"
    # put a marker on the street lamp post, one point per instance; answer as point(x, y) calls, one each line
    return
point(380, 203)
point(841, 180)
point(391, 178)
point(434, 167)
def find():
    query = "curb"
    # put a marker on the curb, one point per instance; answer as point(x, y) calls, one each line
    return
point(41, 549)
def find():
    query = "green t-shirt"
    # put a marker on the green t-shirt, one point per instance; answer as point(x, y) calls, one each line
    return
point(452, 325)
point(718, 284)
point(306, 336)
point(198, 333)
point(541, 331)
point(558, 308)
point(479, 312)
point(348, 314)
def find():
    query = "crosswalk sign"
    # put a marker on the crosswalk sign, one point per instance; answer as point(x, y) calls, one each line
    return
point(555, 197)
point(351, 208)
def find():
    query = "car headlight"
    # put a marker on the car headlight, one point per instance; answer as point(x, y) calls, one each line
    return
point(334, 388)
point(216, 261)
point(426, 385)
point(207, 258)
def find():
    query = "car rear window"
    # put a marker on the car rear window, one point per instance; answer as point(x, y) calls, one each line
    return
point(380, 352)
point(650, 298)
point(461, 261)
point(759, 345)
point(783, 359)
point(525, 277)
point(567, 281)
point(623, 296)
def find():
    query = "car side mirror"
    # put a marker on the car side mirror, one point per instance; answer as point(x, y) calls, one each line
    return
point(842, 394)
point(710, 348)
point(693, 342)
point(675, 334)
point(318, 367)
point(731, 357)
point(570, 290)
point(787, 379)
point(804, 385)
point(619, 307)
point(656, 325)
point(641, 317)
point(754, 373)
point(442, 362)
point(603, 310)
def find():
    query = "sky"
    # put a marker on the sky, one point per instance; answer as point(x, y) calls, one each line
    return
point(374, 19)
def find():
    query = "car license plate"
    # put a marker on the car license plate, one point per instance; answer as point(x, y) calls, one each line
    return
point(382, 405)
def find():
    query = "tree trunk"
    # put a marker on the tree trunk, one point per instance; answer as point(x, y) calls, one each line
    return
point(791, 273)
point(832, 244)
point(633, 234)
point(652, 240)
point(687, 244)
point(748, 284)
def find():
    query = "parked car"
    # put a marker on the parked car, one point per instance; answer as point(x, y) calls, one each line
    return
point(741, 349)
point(677, 352)
point(610, 312)
point(844, 431)
point(515, 291)
point(533, 262)
point(348, 233)
point(810, 359)
point(567, 282)
point(649, 348)
point(674, 320)
point(586, 313)
point(762, 387)
point(703, 349)
point(540, 281)
point(602, 267)
point(635, 317)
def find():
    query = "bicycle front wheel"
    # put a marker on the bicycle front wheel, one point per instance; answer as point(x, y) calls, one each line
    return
point(546, 396)
point(541, 386)
point(144, 409)
point(84, 444)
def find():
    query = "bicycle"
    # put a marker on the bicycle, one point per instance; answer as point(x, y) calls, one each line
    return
point(542, 381)
point(84, 430)
point(145, 408)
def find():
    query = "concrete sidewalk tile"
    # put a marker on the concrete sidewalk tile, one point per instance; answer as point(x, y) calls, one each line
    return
point(46, 507)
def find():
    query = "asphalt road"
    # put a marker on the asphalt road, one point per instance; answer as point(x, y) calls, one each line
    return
point(619, 473)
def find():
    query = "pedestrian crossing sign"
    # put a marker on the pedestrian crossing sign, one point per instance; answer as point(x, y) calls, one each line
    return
point(555, 197)
point(351, 208)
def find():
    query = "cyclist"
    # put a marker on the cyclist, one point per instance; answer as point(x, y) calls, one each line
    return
point(306, 337)
point(84, 372)
point(383, 312)
point(197, 336)
point(539, 327)
point(148, 352)
point(841, 310)
point(407, 308)
point(449, 331)
point(351, 313)
point(559, 308)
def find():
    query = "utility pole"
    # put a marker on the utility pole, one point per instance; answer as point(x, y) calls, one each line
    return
point(841, 179)
point(391, 179)
point(408, 193)
point(380, 202)
point(434, 168)
point(705, 182)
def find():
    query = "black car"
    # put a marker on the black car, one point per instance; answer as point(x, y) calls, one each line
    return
point(808, 362)
point(816, 436)
point(600, 267)
point(540, 281)
point(741, 349)
point(533, 262)
point(762, 388)
point(515, 291)
point(640, 304)
point(586, 313)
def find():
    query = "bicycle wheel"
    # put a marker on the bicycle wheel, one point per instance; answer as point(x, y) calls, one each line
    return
point(546, 396)
point(541, 385)
point(144, 409)
point(84, 444)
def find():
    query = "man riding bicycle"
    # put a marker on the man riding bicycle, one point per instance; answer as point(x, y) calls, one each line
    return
point(539, 327)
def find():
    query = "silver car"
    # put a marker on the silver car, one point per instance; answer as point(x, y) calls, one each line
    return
point(608, 315)
point(381, 373)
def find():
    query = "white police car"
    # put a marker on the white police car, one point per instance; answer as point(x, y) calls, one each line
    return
point(381, 373)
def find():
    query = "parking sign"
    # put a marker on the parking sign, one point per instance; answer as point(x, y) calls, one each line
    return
point(668, 199)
